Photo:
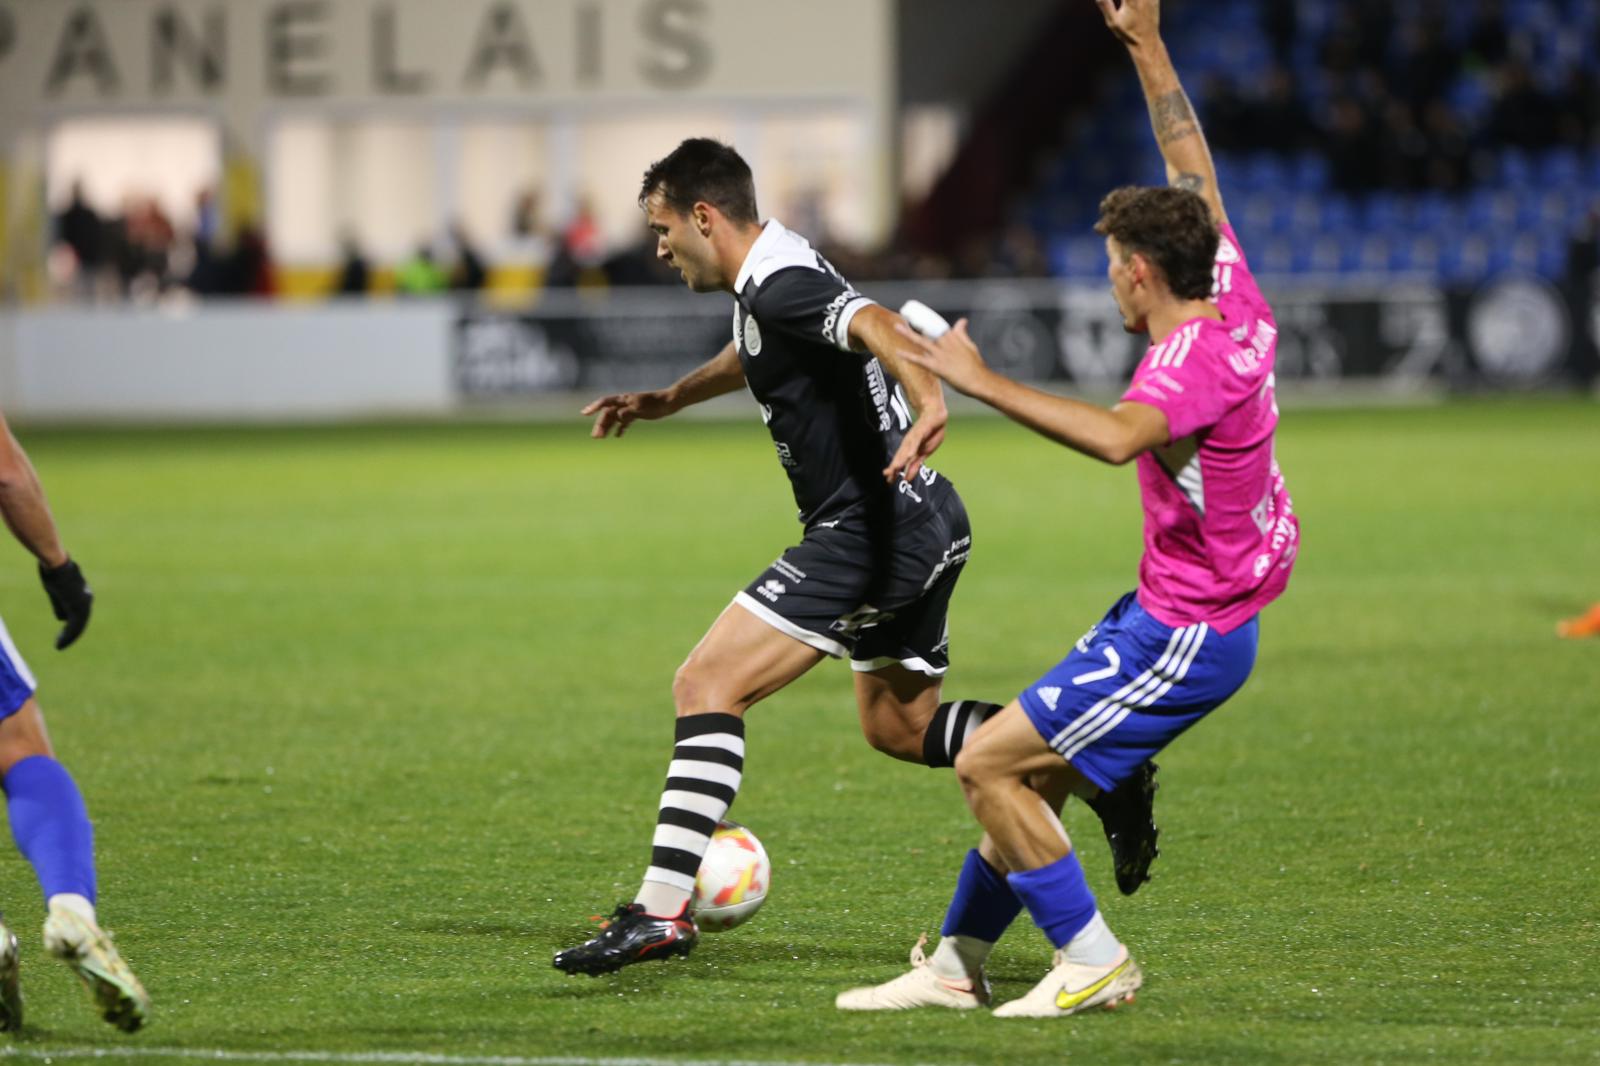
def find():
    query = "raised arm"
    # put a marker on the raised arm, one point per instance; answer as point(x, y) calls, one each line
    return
point(1137, 24)
point(722, 374)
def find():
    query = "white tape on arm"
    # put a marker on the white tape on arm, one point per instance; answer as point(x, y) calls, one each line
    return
point(924, 319)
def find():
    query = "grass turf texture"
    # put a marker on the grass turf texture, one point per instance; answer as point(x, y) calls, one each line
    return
point(370, 720)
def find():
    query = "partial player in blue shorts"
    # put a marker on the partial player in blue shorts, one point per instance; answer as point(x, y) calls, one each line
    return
point(49, 820)
point(1131, 685)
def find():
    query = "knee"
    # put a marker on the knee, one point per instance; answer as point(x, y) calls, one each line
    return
point(971, 772)
point(699, 689)
point(893, 736)
point(689, 688)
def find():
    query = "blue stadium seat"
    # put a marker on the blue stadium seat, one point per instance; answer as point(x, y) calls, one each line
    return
point(1383, 213)
point(1312, 172)
point(1515, 170)
point(1338, 215)
point(1276, 257)
point(1434, 211)
point(1267, 172)
point(1552, 262)
point(1560, 168)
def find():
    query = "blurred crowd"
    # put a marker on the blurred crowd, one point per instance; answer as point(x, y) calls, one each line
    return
point(1413, 96)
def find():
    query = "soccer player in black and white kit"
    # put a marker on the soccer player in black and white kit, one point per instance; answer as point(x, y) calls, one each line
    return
point(885, 536)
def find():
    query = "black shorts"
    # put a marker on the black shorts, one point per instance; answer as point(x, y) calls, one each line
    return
point(878, 596)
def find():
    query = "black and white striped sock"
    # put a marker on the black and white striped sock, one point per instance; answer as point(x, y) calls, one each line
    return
point(953, 724)
point(707, 764)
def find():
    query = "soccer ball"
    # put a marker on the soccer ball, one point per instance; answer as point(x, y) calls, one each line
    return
point(733, 879)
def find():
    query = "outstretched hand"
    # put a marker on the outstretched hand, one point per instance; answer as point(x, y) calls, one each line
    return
point(1134, 22)
point(953, 357)
point(620, 410)
point(920, 441)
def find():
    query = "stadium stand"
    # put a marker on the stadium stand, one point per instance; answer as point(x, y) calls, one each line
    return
point(1360, 137)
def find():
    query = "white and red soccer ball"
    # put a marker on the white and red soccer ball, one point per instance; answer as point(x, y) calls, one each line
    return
point(733, 879)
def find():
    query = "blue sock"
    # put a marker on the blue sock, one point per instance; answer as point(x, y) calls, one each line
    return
point(984, 905)
point(51, 825)
point(1057, 898)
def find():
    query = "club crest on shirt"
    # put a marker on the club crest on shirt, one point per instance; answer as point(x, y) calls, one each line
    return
point(752, 336)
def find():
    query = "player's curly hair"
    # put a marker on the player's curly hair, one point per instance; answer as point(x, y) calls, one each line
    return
point(703, 170)
point(1173, 228)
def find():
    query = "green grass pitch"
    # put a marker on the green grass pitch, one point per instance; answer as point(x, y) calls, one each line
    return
point(370, 721)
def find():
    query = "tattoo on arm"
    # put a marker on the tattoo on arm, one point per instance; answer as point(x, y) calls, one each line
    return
point(1172, 117)
point(1190, 182)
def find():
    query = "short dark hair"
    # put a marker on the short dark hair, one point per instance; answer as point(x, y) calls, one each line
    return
point(701, 169)
point(1173, 228)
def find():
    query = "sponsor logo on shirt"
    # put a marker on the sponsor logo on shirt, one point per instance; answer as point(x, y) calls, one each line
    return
point(835, 309)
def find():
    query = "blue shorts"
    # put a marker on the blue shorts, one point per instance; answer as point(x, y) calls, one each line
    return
point(1131, 685)
point(16, 680)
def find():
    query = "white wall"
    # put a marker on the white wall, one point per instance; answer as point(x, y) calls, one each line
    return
point(240, 361)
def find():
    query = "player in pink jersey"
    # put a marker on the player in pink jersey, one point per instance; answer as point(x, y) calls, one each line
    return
point(1220, 539)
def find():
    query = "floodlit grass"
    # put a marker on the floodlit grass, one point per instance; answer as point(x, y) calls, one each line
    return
point(370, 720)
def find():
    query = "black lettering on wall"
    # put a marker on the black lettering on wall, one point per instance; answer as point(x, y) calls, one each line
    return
point(82, 50)
point(296, 38)
point(503, 41)
point(590, 43)
point(387, 74)
point(680, 54)
point(174, 43)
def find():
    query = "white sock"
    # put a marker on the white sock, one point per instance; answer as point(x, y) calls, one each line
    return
point(71, 901)
point(661, 900)
point(959, 958)
point(1095, 944)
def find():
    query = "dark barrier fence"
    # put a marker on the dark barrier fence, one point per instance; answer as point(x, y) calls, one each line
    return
point(1516, 332)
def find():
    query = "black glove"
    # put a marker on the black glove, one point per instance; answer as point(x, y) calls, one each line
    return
point(70, 597)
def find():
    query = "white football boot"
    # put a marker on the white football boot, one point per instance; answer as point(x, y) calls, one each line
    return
point(1071, 987)
point(919, 988)
point(10, 985)
point(77, 940)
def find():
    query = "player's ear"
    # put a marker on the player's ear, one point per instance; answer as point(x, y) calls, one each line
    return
point(702, 218)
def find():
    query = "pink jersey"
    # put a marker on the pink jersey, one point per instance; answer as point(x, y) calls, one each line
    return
point(1220, 536)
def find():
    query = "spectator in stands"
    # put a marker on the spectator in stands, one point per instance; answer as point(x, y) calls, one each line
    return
point(1280, 121)
point(1354, 147)
point(1280, 21)
point(638, 264)
point(470, 272)
point(1226, 114)
point(1577, 109)
point(421, 275)
point(1449, 149)
point(1404, 158)
point(1523, 117)
point(1424, 64)
point(79, 228)
point(529, 245)
point(355, 276)
point(1488, 39)
point(249, 270)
